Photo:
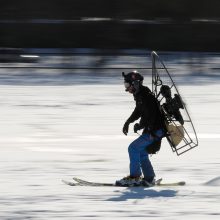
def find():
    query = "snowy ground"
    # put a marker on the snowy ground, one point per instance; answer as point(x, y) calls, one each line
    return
point(56, 126)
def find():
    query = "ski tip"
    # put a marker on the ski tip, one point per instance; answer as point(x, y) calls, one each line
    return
point(68, 183)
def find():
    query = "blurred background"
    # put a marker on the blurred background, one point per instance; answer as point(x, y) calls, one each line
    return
point(186, 25)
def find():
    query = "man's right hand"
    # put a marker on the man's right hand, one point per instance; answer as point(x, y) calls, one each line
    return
point(125, 128)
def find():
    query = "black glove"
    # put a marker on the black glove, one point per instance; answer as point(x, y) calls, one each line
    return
point(136, 127)
point(125, 128)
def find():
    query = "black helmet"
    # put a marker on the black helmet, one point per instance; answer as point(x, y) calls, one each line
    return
point(132, 76)
point(134, 79)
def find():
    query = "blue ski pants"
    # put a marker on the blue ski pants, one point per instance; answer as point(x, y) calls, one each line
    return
point(139, 159)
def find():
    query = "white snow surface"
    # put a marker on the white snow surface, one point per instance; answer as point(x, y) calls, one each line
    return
point(53, 132)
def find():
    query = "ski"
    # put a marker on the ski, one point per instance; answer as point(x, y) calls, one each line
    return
point(69, 183)
point(81, 182)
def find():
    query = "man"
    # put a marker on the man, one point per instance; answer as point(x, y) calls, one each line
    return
point(151, 121)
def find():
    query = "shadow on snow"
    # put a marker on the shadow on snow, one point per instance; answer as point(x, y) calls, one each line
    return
point(141, 193)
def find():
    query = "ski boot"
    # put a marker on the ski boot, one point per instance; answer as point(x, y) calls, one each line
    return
point(129, 181)
point(148, 182)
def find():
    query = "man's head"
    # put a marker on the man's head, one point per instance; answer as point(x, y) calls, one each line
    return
point(132, 81)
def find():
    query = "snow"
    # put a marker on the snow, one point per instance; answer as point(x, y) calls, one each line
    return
point(52, 130)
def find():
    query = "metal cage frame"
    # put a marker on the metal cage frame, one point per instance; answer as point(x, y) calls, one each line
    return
point(189, 141)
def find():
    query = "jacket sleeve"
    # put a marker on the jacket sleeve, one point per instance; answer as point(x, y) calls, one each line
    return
point(134, 116)
point(145, 117)
point(150, 117)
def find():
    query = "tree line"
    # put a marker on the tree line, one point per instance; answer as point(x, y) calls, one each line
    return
point(118, 9)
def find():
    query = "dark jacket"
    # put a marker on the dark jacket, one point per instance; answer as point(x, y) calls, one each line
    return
point(147, 109)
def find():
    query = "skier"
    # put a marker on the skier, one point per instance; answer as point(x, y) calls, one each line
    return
point(152, 123)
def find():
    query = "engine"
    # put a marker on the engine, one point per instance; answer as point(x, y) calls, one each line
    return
point(172, 105)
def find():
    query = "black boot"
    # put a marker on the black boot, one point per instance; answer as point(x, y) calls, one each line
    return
point(148, 181)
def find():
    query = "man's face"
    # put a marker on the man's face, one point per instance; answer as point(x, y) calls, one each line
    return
point(128, 87)
point(131, 89)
